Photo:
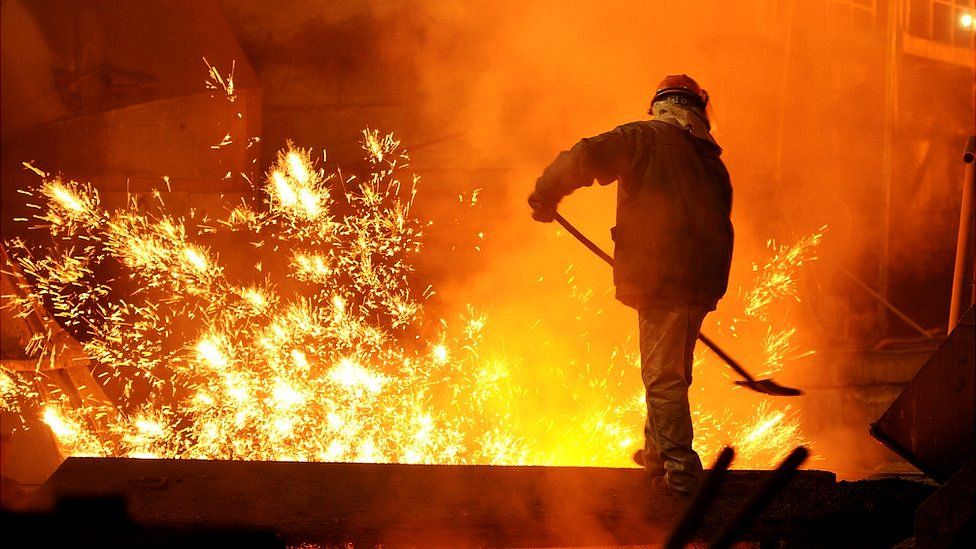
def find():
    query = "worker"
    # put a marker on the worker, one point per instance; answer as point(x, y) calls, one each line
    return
point(672, 251)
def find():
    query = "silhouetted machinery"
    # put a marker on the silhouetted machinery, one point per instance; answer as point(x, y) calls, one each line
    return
point(932, 423)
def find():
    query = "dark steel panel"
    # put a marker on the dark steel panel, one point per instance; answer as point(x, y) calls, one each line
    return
point(932, 422)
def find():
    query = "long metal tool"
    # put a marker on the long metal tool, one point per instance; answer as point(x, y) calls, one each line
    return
point(750, 510)
point(765, 386)
point(696, 511)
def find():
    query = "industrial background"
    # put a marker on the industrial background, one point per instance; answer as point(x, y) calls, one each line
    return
point(841, 117)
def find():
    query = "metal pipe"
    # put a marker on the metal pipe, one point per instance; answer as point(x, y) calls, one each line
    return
point(964, 240)
point(753, 507)
point(695, 513)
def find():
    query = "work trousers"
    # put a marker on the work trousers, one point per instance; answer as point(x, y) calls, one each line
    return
point(668, 331)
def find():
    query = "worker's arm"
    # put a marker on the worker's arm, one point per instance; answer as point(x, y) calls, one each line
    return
point(601, 158)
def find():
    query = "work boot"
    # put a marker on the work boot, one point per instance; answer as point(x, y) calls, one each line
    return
point(660, 485)
point(655, 469)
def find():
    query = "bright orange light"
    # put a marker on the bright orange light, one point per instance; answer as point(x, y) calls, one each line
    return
point(57, 424)
point(284, 191)
point(209, 352)
point(966, 20)
point(440, 354)
point(196, 259)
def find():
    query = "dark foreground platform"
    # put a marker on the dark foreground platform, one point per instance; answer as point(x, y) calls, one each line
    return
point(422, 505)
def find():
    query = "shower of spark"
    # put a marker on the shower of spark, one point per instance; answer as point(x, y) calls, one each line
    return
point(777, 277)
point(318, 348)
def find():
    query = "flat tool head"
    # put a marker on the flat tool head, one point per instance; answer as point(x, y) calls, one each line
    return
point(769, 387)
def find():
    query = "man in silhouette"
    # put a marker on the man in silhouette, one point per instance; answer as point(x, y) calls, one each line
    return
point(672, 250)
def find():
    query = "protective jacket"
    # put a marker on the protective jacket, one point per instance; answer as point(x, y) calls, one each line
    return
point(673, 237)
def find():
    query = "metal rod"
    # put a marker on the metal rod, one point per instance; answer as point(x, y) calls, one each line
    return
point(724, 356)
point(695, 513)
point(750, 511)
point(964, 239)
point(582, 238)
point(898, 312)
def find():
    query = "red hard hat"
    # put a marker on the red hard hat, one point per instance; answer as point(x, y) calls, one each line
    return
point(681, 84)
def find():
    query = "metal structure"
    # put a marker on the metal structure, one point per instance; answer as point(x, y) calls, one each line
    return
point(932, 422)
point(965, 254)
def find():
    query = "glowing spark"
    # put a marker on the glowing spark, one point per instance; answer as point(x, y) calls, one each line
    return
point(764, 427)
point(351, 375)
point(226, 140)
point(285, 396)
point(310, 202)
point(34, 169)
point(776, 279)
point(149, 428)
point(255, 298)
point(299, 359)
point(196, 259)
point(313, 267)
point(209, 352)
point(58, 425)
point(440, 354)
point(283, 190)
point(65, 198)
point(217, 81)
point(373, 144)
point(296, 168)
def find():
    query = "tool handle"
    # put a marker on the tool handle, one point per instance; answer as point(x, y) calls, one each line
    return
point(728, 360)
point(582, 238)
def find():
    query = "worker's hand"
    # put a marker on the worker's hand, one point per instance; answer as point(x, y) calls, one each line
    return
point(542, 210)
